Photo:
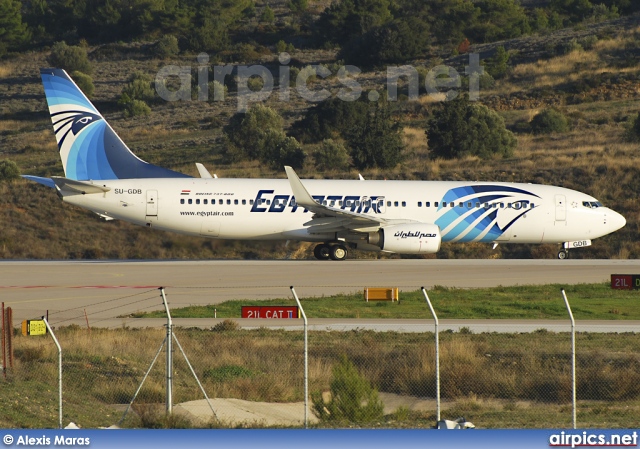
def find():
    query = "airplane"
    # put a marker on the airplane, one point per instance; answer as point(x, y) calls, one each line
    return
point(405, 217)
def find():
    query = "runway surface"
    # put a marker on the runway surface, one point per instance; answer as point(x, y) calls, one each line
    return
point(99, 292)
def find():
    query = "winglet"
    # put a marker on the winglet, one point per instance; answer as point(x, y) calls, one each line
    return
point(301, 194)
point(204, 173)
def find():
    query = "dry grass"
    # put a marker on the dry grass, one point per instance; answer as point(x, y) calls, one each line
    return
point(6, 69)
point(481, 373)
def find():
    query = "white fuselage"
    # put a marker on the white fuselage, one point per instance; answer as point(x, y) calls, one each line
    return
point(264, 208)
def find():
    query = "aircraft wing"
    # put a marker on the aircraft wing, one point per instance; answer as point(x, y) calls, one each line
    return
point(331, 219)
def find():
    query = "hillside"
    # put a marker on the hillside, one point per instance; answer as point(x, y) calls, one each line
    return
point(590, 72)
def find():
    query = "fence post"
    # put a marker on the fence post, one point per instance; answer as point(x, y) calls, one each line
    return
point(4, 350)
point(59, 372)
point(306, 361)
point(435, 318)
point(169, 406)
point(573, 357)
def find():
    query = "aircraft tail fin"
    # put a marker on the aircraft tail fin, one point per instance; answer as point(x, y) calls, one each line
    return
point(89, 148)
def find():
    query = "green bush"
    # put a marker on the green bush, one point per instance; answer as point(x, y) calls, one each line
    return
point(549, 121)
point(332, 155)
point(251, 134)
point(460, 128)
point(268, 15)
point(9, 170)
point(70, 58)
point(633, 130)
point(84, 82)
point(352, 397)
point(135, 108)
point(498, 65)
point(166, 47)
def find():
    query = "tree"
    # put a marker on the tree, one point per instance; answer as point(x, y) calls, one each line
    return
point(351, 18)
point(12, 31)
point(498, 65)
point(9, 170)
point(460, 128)
point(166, 47)
point(392, 43)
point(70, 57)
point(549, 121)
point(378, 143)
point(352, 397)
point(331, 118)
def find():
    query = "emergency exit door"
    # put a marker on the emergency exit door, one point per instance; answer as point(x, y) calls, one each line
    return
point(152, 203)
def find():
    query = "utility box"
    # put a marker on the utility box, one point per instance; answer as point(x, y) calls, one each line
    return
point(381, 294)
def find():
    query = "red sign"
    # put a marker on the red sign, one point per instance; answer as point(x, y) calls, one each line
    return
point(623, 282)
point(270, 312)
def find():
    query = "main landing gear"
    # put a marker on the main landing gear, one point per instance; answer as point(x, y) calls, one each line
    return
point(333, 251)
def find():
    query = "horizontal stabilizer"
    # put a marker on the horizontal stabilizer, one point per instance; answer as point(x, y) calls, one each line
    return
point(44, 181)
point(83, 187)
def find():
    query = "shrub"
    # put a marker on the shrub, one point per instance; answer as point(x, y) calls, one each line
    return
point(135, 108)
point(254, 133)
point(70, 57)
point(268, 15)
point(283, 150)
point(352, 397)
point(633, 130)
point(332, 155)
point(549, 121)
point(139, 87)
point(166, 47)
point(460, 128)
point(84, 82)
point(9, 170)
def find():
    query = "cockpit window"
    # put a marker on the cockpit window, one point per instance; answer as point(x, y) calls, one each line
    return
point(592, 204)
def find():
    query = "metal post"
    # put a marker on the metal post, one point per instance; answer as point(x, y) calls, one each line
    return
point(435, 319)
point(4, 347)
point(59, 372)
point(306, 361)
point(573, 357)
point(169, 341)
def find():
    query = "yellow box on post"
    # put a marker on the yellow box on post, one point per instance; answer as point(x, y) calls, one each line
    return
point(381, 294)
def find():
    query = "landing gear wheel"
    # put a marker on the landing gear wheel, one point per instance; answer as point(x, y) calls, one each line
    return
point(338, 252)
point(563, 255)
point(322, 252)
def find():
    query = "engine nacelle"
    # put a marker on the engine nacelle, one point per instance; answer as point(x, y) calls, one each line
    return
point(418, 238)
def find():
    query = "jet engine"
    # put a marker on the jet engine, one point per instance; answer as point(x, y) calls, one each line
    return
point(418, 238)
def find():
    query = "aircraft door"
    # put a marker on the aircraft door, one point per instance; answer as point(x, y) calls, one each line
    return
point(152, 203)
point(561, 208)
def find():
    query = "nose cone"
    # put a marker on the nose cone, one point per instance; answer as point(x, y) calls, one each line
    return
point(615, 221)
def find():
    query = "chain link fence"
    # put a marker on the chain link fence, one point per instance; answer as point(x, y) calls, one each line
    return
point(254, 377)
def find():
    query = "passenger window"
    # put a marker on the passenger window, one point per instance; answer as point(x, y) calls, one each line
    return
point(404, 204)
point(190, 201)
point(388, 203)
point(419, 203)
point(205, 201)
point(428, 204)
point(228, 202)
point(469, 205)
point(395, 204)
point(478, 205)
point(198, 201)
point(222, 201)
point(181, 200)
point(235, 202)
point(244, 202)
point(251, 202)
point(435, 204)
